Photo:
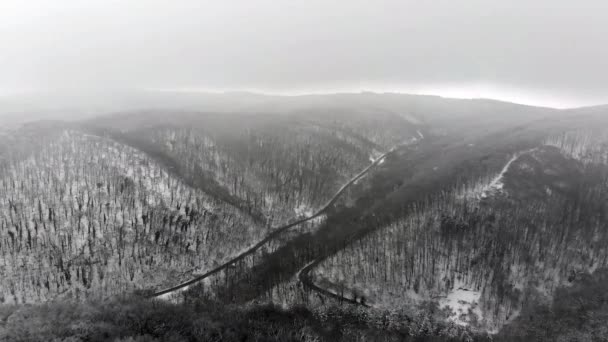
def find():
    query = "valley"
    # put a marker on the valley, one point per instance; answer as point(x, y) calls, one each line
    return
point(375, 216)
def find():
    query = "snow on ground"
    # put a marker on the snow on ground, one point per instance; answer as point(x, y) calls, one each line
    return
point(172, 296)
point(303, 210)
point(420, 134)
point(485, 188)
point(375, 154)
point(359, 179)
point(318, 220)
point(462, 303)
point(497, 183)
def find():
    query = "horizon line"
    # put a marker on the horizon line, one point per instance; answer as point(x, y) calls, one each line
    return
point(271, 93)
point(259, 92)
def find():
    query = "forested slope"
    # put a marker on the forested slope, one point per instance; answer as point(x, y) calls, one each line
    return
point(466, 222)
point(273, 166)
point(480, 249)
point(88, 215)
point(138, 202)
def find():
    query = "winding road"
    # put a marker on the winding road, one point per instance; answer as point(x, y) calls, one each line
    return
point(306, 280)
point(275, 233)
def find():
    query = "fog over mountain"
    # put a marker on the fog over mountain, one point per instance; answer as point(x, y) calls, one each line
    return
point(549, 52)
point(315, 171)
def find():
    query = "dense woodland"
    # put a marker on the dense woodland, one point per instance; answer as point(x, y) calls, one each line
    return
point(451, 236)
point(274, 167)
point(281, 174)
point(491, 244)
point(135, 319)
point(85, 214)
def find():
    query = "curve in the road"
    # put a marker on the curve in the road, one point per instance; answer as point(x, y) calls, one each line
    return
point(306, 280)
point(274, 234)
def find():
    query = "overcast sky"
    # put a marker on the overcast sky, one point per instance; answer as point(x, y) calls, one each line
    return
point(546, 52)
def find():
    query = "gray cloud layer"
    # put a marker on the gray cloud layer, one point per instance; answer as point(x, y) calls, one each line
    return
point(538, 51)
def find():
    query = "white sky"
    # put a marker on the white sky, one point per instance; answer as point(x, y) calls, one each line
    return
point(539, 52)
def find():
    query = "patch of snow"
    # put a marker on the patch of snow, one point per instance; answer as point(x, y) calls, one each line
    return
point(462, 302)
point(172, 296)
point(495, 185)
point(303, 210)
point(420, 134)
point(497, 182)
point(318, 220)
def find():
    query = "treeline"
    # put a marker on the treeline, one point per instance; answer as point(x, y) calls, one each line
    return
point(134, 319)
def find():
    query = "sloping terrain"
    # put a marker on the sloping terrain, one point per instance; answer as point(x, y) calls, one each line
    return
point(275, 167)
point(480, 250)
point(92, 210)
point(85, 214)
point(469, 217)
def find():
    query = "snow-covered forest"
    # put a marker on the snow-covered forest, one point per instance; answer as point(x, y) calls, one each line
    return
point(480, 250)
